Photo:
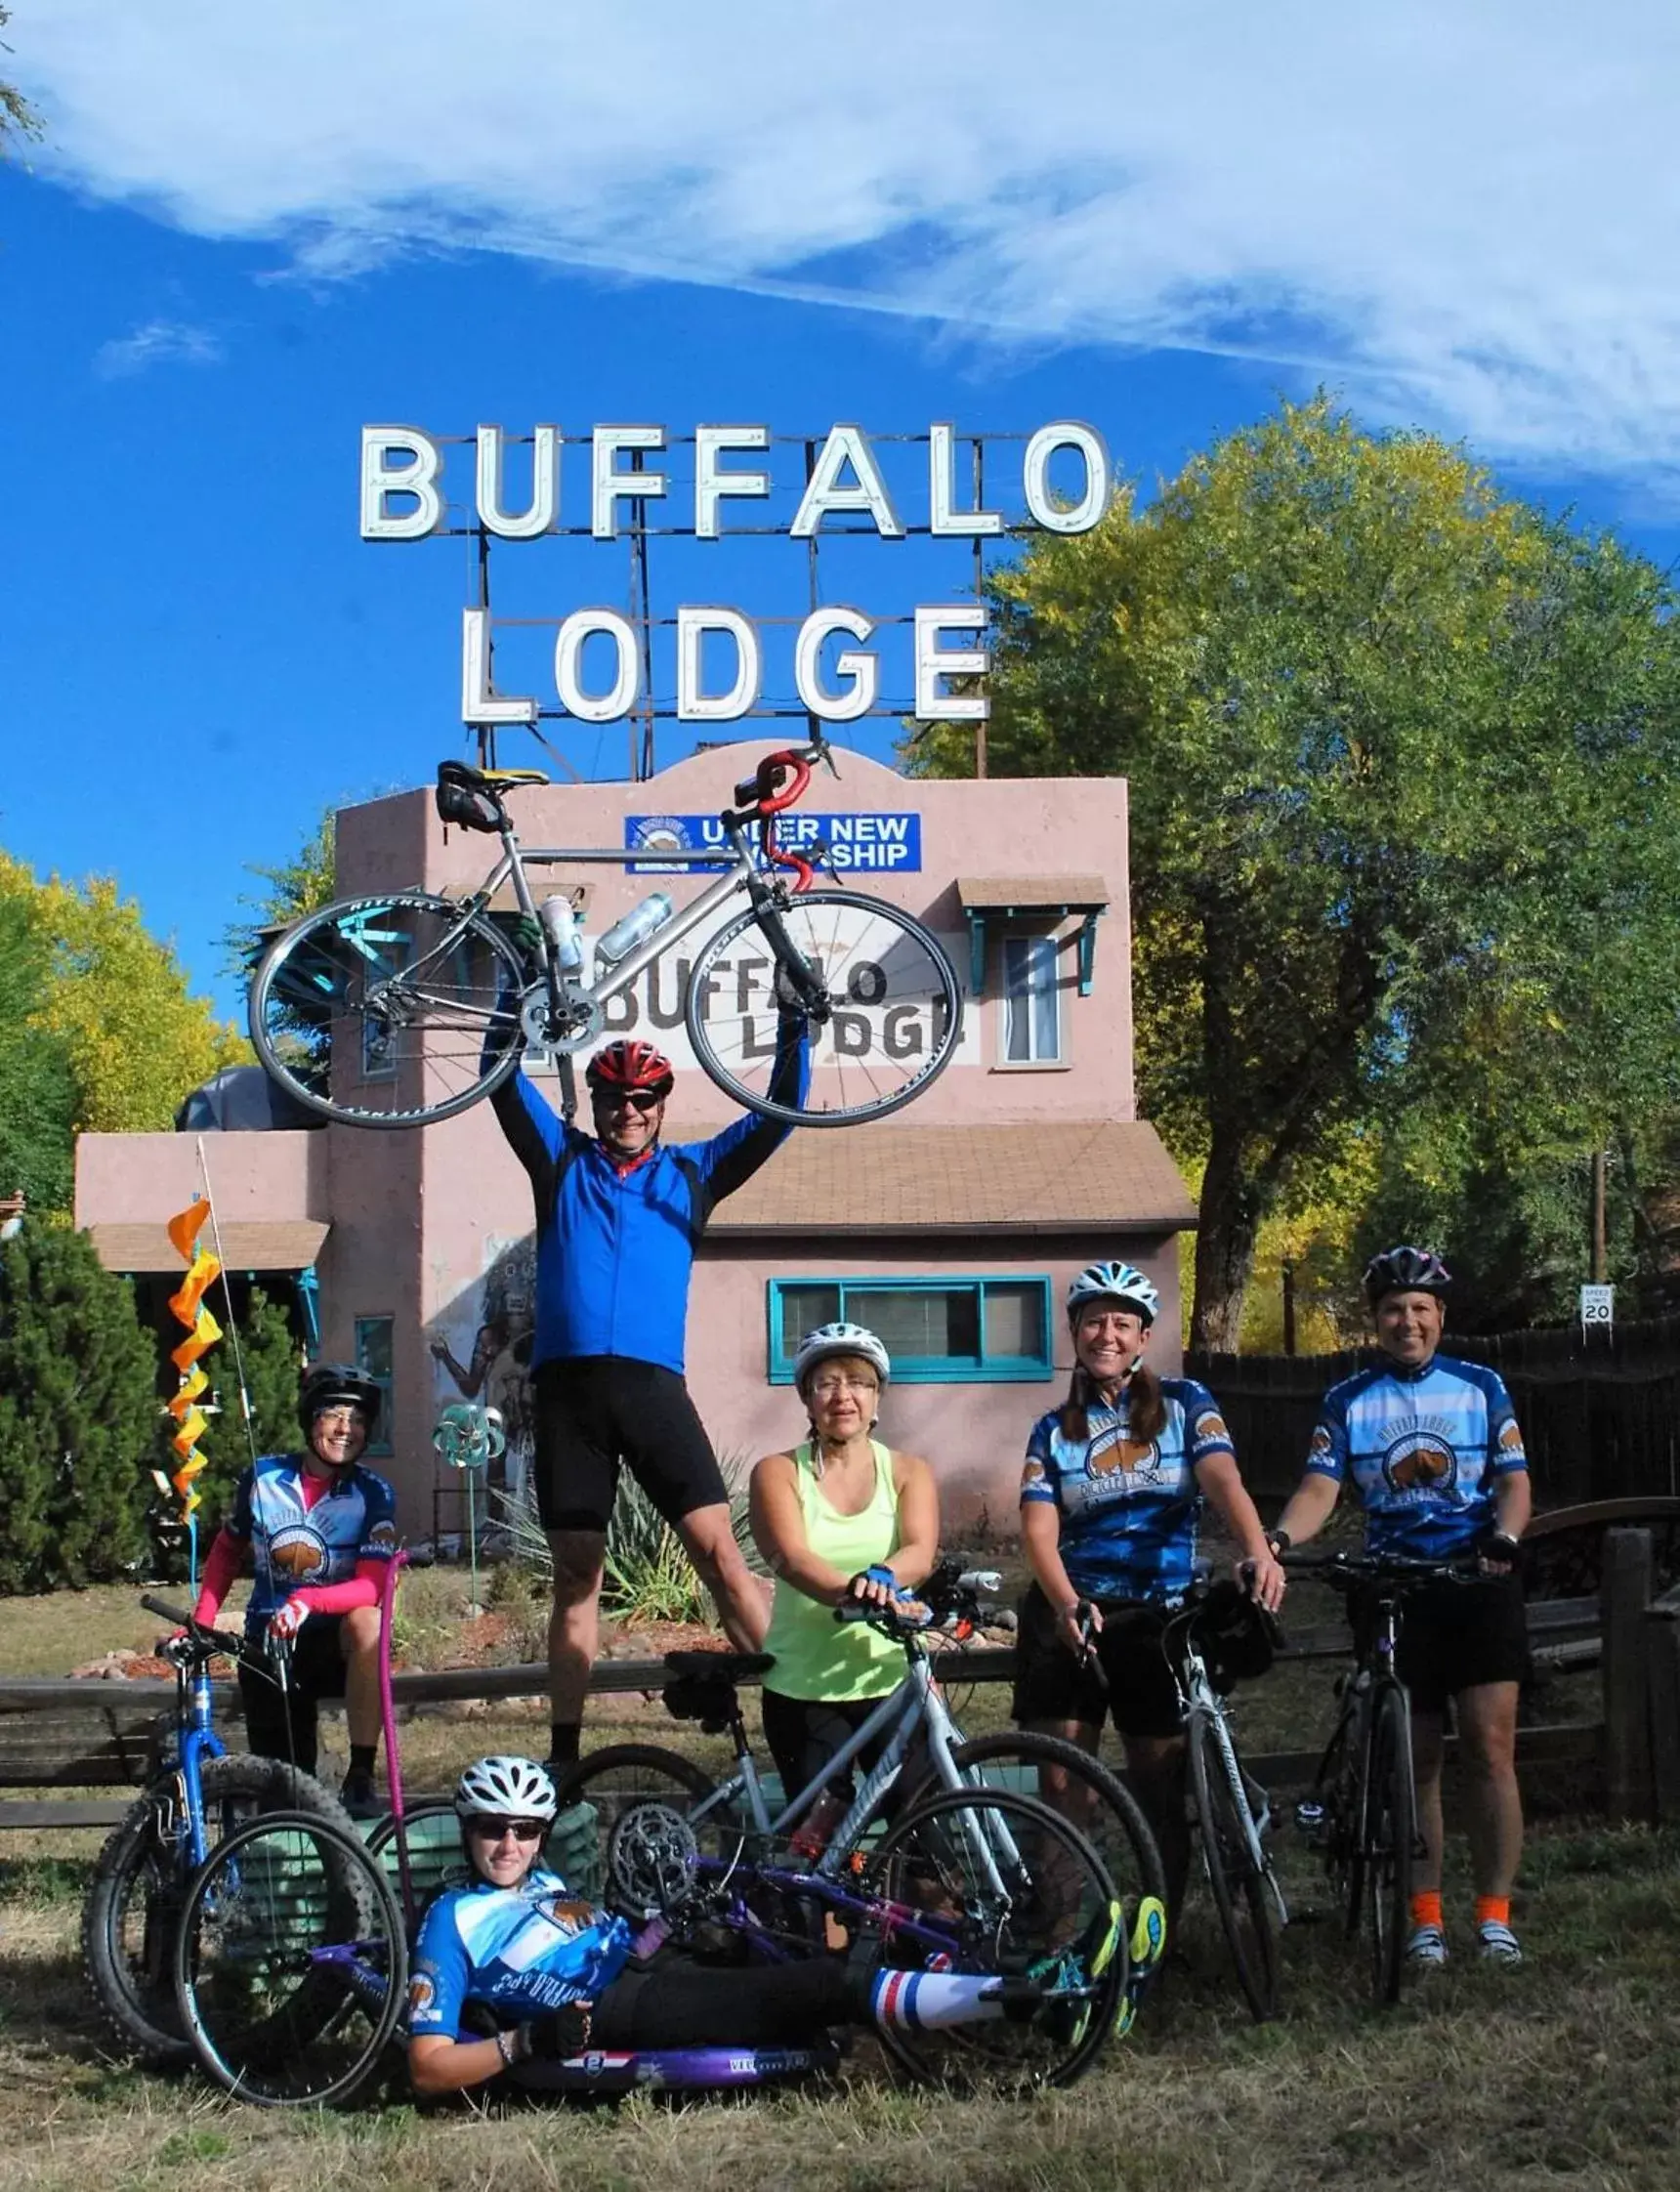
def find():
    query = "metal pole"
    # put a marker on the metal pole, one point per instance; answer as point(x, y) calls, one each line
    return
point(813, 584)
point(979, 586)
point(641, 613)
point(1599, 1244)
point(487, 730)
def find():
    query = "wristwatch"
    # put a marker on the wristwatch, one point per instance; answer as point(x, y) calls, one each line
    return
point(1280, 1542)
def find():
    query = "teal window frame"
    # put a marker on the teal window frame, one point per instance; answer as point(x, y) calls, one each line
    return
point(922, 1369)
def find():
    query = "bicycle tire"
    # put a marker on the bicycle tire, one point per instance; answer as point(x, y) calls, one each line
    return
point(259, 1910)
point(936, 1859)
point(1338, 1788)
point(350, 972)
point(1391, 1815)
point(623, 1774)
point(1240, 1891)
point(128, 1948)
point(892, 966)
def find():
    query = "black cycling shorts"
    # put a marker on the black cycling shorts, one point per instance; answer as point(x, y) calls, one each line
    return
point(283, 1725)
point(1455, 1635)
point(1050, 1684)
point(597, 1412)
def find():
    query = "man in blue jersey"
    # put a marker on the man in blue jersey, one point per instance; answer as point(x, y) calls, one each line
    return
point(618, 1218)
point(1435, 1455)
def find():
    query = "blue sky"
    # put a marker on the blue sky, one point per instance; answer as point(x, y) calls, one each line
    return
point(244, 238)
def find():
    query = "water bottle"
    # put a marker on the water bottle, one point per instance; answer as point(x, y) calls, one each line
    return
point(1310, 1819)
point(635, 928)
point(560, 924)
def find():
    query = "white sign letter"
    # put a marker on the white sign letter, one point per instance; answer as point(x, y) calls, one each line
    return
point(544, 509)
point(479, 704)
point(696, 707)
point(846, 445)
point(711, 484)
point(863, 670)
point(381, 478)
point(621, 697)
point(942, 489)
point(933, 664)
point(612, 486)
point(1057, 517)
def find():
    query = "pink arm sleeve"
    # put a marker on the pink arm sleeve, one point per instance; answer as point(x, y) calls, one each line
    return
point(220, 1571)
point(361, 1590)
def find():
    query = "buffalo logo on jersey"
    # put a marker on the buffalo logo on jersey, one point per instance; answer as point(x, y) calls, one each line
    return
point(1033, 1473)
point(422, 1994)
point(1321, 1443)
point(566, 1914)
point(297, 1551)
point(1510, 1439)
point(1112, 1451)
point(381, 1537)
point(1420, 1461)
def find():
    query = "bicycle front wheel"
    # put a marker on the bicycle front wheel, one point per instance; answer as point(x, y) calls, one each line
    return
point(1390, 1830)
point(291, 1962)
point(1237, 1869)
point(389, 1011)
point(887, 1005)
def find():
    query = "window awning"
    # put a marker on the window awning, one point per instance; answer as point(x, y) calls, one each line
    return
point(247, 1245)
point(1006, 898)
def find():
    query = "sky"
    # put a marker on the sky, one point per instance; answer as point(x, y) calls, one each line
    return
point(249, 232)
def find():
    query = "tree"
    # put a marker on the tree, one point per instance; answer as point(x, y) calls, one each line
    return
point(18, 118)
point(37, 1088)
point(80, 1426)
point(295, 888)
point(1404, 802)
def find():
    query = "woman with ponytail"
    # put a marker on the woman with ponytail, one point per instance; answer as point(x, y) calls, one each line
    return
point(1111, 1502)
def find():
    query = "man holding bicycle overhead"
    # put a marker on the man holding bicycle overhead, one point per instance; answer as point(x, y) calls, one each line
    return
point(619, 1217)
point(1435, 1454)
point(317, 1528)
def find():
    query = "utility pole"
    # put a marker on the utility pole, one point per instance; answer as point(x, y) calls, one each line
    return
point(1288, 1307)
point(1600, 1246)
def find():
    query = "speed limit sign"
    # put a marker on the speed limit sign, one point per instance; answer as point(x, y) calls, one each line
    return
point(1598, 1306)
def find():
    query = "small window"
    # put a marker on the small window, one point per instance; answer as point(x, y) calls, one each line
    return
point(373, 1344)
point(938, 1332)
point(1031, 1001)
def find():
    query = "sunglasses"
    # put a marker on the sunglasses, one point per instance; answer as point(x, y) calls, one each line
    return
point(521, 1830)
point(637, 1099)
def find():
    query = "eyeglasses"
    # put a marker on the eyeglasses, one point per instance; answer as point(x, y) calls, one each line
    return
point(615, 1099)
point(347, 1418)
point(521, 1830)
point(825, 1388)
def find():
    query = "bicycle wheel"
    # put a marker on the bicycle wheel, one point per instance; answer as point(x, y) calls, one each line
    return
point(433, 1833)
point(1009, 1889)
point(1390, 1830)
point(625, 1774)
point(290, 1962)
point(382, 1011)
point(1236, 1876)
point(891, 1007)
point(139, 1886)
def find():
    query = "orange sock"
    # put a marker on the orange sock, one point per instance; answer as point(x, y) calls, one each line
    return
point(1494, 1907)
point(1426, 1908)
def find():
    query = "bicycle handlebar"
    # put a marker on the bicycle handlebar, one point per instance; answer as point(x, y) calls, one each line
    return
point(1337, 1567)
point(212, 1643)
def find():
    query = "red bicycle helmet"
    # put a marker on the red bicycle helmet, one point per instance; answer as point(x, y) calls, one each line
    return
point(630, 1063)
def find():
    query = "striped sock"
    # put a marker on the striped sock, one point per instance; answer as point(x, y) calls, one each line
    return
point(1492, 1909)
point(920, 2000)
point(1426, 1908)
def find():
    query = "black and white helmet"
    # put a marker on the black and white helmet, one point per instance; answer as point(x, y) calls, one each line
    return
point(506, 1788)
point(1406, 1271)
point(1114, 1281)
point(337, 1385)
point(840, 1340)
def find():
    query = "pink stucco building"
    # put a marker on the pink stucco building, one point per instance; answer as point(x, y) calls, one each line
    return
point(952, 1227)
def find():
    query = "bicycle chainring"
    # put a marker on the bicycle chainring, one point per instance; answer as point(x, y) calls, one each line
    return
point(650, 1858)
point(578, 1029)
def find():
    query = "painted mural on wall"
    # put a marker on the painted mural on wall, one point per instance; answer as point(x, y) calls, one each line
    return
point(482, 1350)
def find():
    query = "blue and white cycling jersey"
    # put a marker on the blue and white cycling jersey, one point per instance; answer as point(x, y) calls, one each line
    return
point(1130, 1508)
point(296, 1542)
point(1424, 1448)
point(520, 1951)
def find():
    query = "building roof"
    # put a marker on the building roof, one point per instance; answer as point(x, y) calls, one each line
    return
point(997, 894)
point(247, 1245)
point(1061, 1176)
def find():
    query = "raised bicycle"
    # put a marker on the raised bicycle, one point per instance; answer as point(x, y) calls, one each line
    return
point(403, 1008)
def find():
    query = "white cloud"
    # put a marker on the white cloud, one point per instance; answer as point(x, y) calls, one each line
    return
point(1461, 211)
point(160, 342)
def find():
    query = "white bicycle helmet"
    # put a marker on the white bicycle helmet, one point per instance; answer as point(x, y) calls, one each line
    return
point(506, 1788)
point(1114, 1281)
point(840, 1340)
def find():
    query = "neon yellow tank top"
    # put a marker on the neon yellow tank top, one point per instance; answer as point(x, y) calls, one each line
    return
point(817, 1656)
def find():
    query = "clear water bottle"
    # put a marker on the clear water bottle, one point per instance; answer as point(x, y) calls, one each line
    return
point(1310, 1819)
point(560, 924)
point(635, 928)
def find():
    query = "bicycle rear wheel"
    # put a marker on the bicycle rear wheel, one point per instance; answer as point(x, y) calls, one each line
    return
point(1391, 1832)
point(615, 1780)
point(290, 1963)
point(1012, 1891)
point(384, 1011)
point(889, 1005)
point(1237, 1878)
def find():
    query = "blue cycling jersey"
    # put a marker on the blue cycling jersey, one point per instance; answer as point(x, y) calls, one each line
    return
point(295, 1545)
point(1130, 1509)
point(518, 1950)
point(615, 1241)
point(1424, 1448)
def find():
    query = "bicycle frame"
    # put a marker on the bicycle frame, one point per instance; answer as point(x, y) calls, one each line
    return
point(198, 1741)
point(1203, 1702)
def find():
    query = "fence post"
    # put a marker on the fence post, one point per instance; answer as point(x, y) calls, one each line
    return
point(1626, 1593)
point(1662, 1692)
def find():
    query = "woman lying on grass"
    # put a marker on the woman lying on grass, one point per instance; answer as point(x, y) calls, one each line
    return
point(545, 1977)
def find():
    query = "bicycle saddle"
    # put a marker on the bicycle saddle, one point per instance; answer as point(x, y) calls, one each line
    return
point(471, 798)
point(720, 1666)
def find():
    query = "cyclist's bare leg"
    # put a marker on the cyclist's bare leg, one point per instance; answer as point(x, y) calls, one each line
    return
point(742, 1599)
point(1428, 1737)
point(1155, 1766)
point(358, 1641)
point(1075, 1799)
point(1494, 1803)
point(574, 1625)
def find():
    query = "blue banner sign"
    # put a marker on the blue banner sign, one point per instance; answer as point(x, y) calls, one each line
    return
point(857, 844)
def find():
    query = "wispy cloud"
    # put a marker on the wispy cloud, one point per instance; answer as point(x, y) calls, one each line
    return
point(1461, 214)
point(160, 342)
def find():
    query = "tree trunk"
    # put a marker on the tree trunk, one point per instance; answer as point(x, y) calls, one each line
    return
point(1229, 1222)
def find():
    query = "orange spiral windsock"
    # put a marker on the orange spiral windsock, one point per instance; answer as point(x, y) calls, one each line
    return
point(187, 1305)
